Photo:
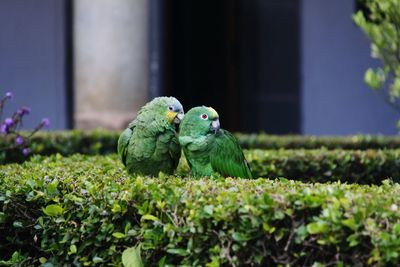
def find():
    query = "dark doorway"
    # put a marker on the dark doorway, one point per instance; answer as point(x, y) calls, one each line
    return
point(239, 56)
point(270, 64)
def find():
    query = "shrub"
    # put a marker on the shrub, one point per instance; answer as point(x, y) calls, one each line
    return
point(10, 129)
point(67, 143)
point(360, 166)
point(105, 142)
point(85, 211)
point(356, 142)
point(353, 166)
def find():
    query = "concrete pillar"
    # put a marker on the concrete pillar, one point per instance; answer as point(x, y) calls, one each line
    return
point(110, 62)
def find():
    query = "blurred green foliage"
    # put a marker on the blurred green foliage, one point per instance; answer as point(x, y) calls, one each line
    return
point(380, 21)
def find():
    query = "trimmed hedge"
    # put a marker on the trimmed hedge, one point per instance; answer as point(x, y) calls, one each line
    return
point(65, 143)
point(361, 166)
point(356, 142)
point(104, 142)
point(86, 210)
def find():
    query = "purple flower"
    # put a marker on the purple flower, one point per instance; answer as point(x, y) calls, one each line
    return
point(45, 122)
point(25, 151)
point(4, 129)
point(9, 95)
point(19, 140)
point(24, 111)
point(9, 122)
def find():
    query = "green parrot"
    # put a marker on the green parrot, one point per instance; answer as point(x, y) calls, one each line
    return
point(150, 143)
point(208, 148)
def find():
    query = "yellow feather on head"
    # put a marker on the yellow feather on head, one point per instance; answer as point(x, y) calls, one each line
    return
point(213, 112)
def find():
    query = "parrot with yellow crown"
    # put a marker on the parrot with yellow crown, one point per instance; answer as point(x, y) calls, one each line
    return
point(150, 144)
point(208, 148)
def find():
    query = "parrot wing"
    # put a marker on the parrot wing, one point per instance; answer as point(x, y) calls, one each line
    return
point(175, 151)
point(227, 157)
point(150, 153)
point(123, 142)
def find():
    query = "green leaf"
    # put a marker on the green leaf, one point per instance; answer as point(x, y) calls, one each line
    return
point(239, 237)
point(18, 224)
point(131, 257)
point(161, 262)
point(2, 217)
point(116, 208)
point(53, 210)
point(395, 88)
point(396, 228)
point(267, 199)
point(72, 249)
point(267, 228)
point(97, 259)
point(353, 240)
point(178, 251)
point(351, 223)
point(317, 227)
point(52, 187)
point(149, 217)
point(372, 79)
point(209, 209)
point(118, 235)
point(359, 19)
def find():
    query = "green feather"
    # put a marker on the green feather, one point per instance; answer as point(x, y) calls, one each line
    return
point(209, 150)
point(227, 157)
point(149, 145)
point(123, 142)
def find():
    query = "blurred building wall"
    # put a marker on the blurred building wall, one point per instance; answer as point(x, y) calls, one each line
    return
point(110, 63)
point(32, 59)
point(335, 55)
point(112, 71)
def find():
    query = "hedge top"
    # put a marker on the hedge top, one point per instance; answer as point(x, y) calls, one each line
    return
point(353, 166)
point(105, 142)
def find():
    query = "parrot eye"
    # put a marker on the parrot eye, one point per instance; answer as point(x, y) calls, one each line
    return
point(204, 116)
point(170, 108)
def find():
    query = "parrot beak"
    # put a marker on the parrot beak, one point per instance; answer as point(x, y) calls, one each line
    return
point(215, 126)
point(175, 117)
point(179, 117)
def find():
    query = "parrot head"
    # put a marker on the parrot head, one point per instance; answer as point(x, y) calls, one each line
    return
point(168, 109)
point(200, 121)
